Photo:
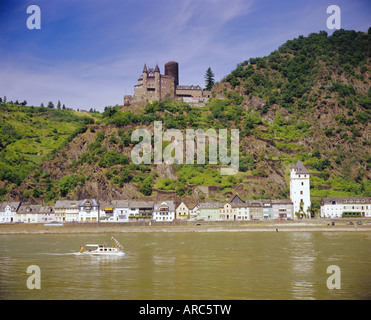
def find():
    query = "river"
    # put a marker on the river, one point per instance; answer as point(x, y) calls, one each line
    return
point(192, 266)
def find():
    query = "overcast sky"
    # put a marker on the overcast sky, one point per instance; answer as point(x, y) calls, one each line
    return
point(89, 53)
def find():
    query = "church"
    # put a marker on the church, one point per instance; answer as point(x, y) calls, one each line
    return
point(154, 86)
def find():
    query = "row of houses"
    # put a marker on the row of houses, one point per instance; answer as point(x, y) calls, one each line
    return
point(91, 210)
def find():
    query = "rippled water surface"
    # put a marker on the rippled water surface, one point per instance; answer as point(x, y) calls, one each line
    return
point(221, 265)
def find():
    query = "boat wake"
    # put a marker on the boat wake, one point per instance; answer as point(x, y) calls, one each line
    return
point(91, 254)
point(62, 254)
point(111, 254)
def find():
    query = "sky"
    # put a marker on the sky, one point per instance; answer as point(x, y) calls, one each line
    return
point(90, 53)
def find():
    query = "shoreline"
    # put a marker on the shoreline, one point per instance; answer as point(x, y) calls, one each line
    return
point(216, 226)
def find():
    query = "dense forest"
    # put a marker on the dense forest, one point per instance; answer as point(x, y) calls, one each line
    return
point(309, 100)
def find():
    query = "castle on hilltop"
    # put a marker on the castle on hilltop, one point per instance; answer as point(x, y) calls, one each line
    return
point(154, 86)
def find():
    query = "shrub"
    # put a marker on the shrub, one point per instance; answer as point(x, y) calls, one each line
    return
point(260, 172)
point(322, 165)
point(126, 176)
point(247, 163)
point(112, 158)
point(352, 214)
point(66, 184)
point(329, 132)
point(37, 192)
point(146, 187)
point(362, 117)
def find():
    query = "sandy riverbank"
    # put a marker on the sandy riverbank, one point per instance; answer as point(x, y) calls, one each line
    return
point(205, 226)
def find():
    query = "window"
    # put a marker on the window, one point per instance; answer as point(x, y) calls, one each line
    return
point(302, 183)
point(301, 192)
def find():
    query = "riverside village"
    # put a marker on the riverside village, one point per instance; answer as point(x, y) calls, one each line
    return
point(127, 210)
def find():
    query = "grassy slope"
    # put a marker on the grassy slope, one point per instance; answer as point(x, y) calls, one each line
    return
point(28, 137)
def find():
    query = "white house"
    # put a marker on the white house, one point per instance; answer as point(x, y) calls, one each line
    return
point(133, 209)
point(89, 211)
point(66, 210)
point(28, 213)
point(242, 211)
point(105, 211)
point(46, 214)
point(8, 211)
point(300, 188)
point(226, 212)
point(120, 210)
point(140, 210)
point(164, 211)
point(116, 211)
point(194, 211)
point(339, 207)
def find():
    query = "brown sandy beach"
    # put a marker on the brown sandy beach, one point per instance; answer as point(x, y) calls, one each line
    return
point(323, 225)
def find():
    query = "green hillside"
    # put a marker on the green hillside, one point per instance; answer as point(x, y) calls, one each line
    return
point(308, 100)
point(31, 135)
point(315, 93)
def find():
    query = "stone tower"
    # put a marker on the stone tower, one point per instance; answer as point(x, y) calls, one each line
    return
point(157, 83)
point(172, 70)
point(300, 188)
point(145, 74)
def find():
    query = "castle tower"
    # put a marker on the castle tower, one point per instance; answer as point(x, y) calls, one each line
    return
point(300, 188)
point(157, 83)
point(172, 70)
point(145, 73)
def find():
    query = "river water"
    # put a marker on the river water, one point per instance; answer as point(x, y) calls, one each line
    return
point(220, 265)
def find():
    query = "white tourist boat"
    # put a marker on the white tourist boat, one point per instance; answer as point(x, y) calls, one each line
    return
point(115, 248)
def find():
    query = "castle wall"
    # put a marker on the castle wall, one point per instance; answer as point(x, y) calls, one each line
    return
point(167, 87)
point(188, 93)
point(192, 91)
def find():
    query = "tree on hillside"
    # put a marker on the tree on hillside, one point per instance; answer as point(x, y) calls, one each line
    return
point(209, 79)
point(50, 105)
point(59, 105)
